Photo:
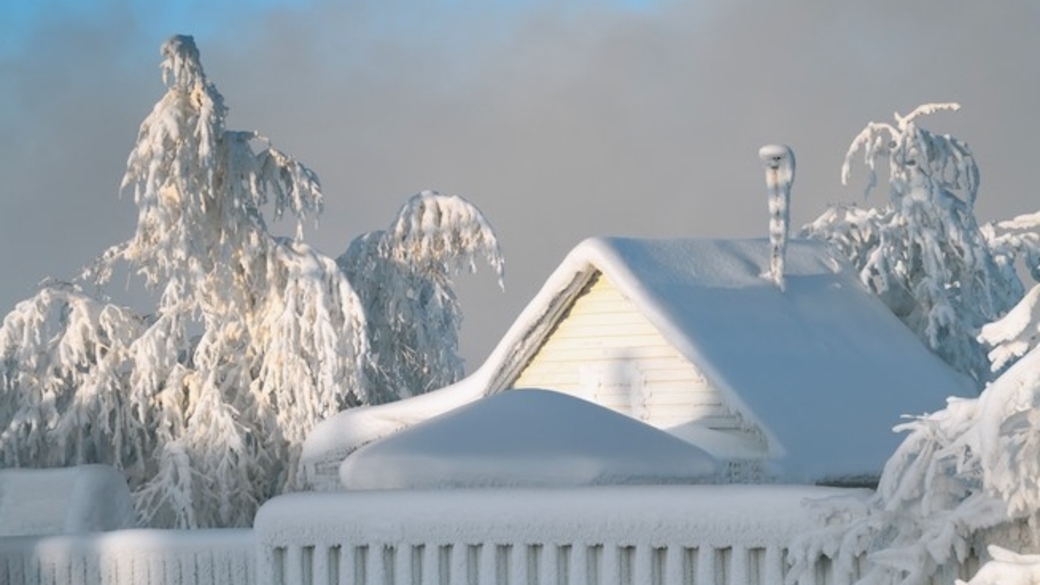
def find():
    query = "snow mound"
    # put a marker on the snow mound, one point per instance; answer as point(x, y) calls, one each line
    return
point(526, 438)
point(65, 500)
point(331, 440)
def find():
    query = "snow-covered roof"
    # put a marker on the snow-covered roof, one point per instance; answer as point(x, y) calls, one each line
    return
point(526, 438)
point(823, 367)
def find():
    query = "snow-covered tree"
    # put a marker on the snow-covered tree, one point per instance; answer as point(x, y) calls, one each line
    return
point(404, 276)
point(66, 362)
point(1019, 331)
point(923, 253)
point(963, 479)
point(206, 402)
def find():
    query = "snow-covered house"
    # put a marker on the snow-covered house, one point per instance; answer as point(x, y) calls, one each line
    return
point(687, 335)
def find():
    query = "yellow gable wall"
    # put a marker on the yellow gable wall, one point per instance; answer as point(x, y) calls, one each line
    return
point(604, 350)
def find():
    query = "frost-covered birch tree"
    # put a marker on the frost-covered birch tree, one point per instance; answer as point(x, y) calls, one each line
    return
point(923, 253)
point(204, 403)
point(404, 276)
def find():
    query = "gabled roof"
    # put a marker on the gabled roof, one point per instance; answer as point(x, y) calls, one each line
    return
point(824, 367)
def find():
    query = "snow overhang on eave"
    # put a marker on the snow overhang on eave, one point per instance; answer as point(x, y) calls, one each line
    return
point(535, 324)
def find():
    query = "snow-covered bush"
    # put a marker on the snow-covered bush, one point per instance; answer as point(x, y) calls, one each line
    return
point(205, 403)
point(923, 253)
point(404, 278)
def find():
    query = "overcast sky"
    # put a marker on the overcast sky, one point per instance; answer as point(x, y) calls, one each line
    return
point(559, 119)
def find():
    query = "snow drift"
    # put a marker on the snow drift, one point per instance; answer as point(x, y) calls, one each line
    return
point(526, 438)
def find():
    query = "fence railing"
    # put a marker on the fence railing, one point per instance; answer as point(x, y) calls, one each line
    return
point(656, 535)
point(130, 557)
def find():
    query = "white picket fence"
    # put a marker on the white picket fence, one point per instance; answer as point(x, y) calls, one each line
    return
point(659, 535)
point(130, 557)
point(649, 535)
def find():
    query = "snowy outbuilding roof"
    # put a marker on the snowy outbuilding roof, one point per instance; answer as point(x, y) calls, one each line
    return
point(823, 367)
point(526, 438)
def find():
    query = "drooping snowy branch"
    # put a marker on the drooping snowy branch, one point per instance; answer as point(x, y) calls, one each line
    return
point(444, 235)
point(923, 253)
point(64, 374)
point(1016, 334)
point(404, 278)
point(915, 154)
point(311, 313)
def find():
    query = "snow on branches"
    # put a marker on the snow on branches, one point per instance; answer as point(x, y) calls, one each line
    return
point(204, 404)
point(64, 363)
point(963, 478)
point(916, 157)
point(1016, 334)
point(404, 278)
point(923, 253)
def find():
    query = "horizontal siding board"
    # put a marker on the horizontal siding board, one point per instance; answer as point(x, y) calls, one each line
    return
point(605, 297)
point(725, 422)
point(664, 393)
point(671, 380)
point(686, 397)
point(611, 339)
point(566, 386)
point(622, 406)
point(587, 328)
point(579, 353)
point(668, 418)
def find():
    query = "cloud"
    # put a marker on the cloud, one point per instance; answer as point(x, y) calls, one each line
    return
point(560, 120)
